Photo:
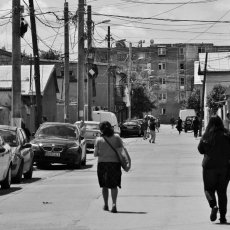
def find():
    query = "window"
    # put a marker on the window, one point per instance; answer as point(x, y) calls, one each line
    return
point(182, 81)
point(161, 51)
point(163, 81)
point(201, 49)
point(162, 96)
point(163, 111)
point(181, 51)
point(161, 66)
point(181, 66)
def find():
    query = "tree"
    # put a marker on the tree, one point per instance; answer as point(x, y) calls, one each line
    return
point(215, 98)
point(193, 101)
point(140, 101)
point(50, 55)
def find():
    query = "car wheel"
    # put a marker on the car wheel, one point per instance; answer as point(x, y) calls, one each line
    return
point(7, 181)
point(28, 175)
point(186, 130)
point(18, 178)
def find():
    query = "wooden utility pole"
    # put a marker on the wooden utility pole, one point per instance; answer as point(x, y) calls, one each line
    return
point(108, 93)
point(90, 81)
point(36, 65)
point(66, 68)
point(16, 64)
point(129, 79)
point(203, 94)
point(81, 59)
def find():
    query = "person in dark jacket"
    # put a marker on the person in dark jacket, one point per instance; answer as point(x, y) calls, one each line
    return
point(152, 127)
point(145, 127)
point(179, 125)
point(215, 146)
point(196, 126)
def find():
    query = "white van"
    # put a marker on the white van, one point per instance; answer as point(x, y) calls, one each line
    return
point(183, 113)
point(102, 115)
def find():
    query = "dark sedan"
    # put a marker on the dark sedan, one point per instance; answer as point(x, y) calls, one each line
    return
point(56, 142)
point(130, 128)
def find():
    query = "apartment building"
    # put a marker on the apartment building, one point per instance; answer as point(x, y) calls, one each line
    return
point(167, 70)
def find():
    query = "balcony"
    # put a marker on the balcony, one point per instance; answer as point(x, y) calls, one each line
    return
point(119, 93)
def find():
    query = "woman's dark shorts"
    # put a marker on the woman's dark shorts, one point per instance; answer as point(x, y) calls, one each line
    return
point(109, 174)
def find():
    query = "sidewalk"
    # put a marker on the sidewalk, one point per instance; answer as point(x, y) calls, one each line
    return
point(163, 190)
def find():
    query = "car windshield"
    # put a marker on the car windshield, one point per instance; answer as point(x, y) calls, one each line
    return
point(59, 131)
point(9, 137)
point(92, 126)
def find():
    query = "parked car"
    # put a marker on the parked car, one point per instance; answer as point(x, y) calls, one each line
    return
point(57, 142)
point(22, 163)
point(102, 115)
point(5, 164)
point(130, 128)
point(188, 123)
point(91, 132)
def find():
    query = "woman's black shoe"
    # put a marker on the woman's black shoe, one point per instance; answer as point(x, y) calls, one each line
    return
point(223, 220)
point(213, 214)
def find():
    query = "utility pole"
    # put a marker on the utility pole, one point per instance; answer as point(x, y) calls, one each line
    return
point(81, 59)
point(36, 65)
point(16, 64)
point(108, 95)
point(66, 67)
point(203, 94)
point(90, 81)
point(129, 79)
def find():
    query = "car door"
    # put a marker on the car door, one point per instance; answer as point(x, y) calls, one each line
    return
point(4, 161)
point(24, 152)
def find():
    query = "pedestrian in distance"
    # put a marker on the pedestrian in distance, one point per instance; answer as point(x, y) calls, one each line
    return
point(172, 122)
point(109, 166)
point(196, 126)
point(215, 146)
point(152, 127)
point(179, 125)
point(145, 127)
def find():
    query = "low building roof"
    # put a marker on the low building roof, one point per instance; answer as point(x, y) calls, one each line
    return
point(27, 78)
point(217, 62)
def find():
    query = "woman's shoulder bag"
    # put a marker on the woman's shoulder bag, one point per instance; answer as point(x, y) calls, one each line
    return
point(122, 155)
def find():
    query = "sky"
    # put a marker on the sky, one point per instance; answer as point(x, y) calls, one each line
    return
point(162, 21)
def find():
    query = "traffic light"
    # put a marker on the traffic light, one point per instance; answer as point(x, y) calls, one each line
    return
point(23, 27)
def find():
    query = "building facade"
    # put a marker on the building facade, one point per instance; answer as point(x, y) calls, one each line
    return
point(166, 69)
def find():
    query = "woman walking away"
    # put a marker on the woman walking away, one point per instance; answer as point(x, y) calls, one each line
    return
point(215, 145)
point(109, 167)
point(179, 125)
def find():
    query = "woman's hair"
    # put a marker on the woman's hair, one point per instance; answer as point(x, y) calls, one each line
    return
point(106, 129)
point(215, 124)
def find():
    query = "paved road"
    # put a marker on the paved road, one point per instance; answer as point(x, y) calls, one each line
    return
point(162, 191)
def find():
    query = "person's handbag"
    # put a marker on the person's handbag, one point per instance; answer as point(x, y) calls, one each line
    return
point(122, 155)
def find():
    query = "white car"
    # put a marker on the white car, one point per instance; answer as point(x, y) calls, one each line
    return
point(5, 164)
point(91, 131)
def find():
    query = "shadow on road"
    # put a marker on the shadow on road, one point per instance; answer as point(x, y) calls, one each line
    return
point(128, 212)
point(32, 180)
point(57, 167)
point(8, 191)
